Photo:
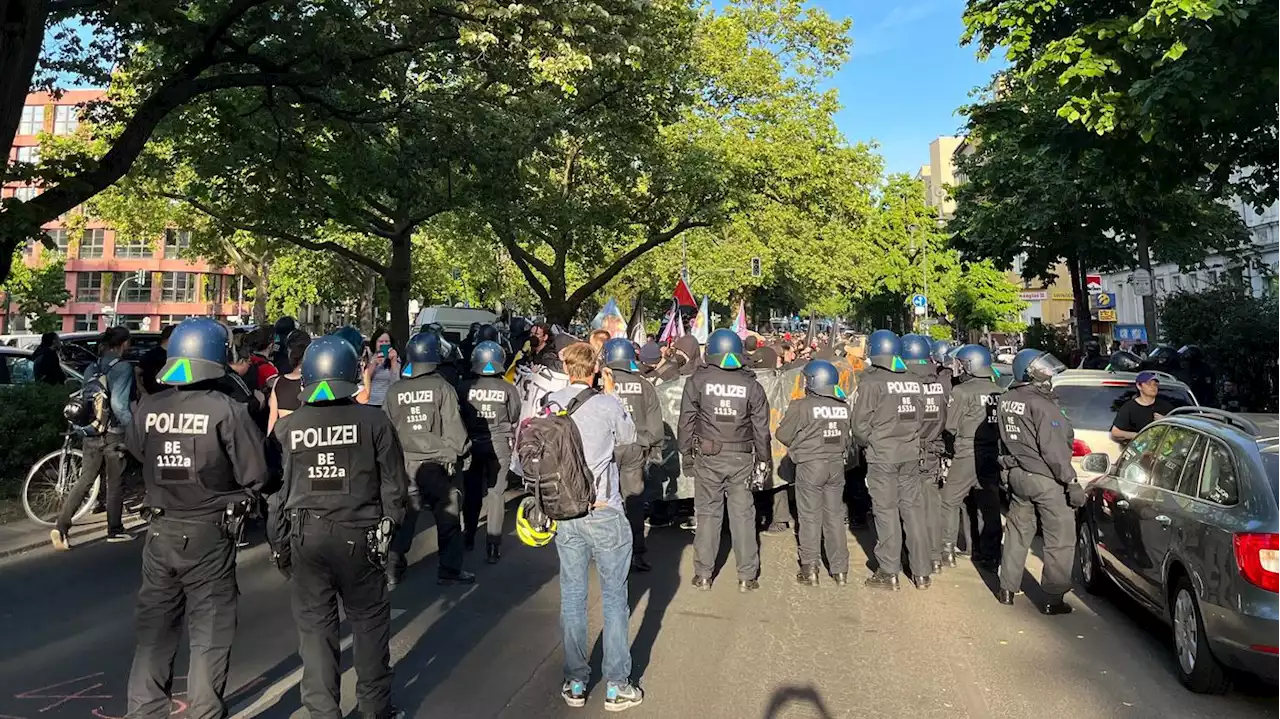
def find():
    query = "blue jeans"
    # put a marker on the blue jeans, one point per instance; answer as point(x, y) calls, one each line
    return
point(605, 536)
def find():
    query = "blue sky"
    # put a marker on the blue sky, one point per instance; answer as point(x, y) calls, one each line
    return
point(906, 76)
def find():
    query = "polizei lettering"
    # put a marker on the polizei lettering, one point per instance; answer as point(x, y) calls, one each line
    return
point(418, 397)
point(715, 389)
point(933, 388)
point(633, 388)
point(177, 423)
point(313, 437)
point(901, 387)
point(485, 395)
point(1018, 408)
point(822, 412)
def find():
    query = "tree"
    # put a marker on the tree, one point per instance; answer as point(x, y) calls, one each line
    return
point(1233, 328)
point(37, 291)
point(985, 299)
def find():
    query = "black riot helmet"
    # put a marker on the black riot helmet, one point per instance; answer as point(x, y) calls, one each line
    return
point(724, 349)
point(915, 349)
point(1093, 347)
point(488, 359)
point(823, 379)
point(1123, 361)
point(941, 351)
point(1191, 354)
point(620, 354)
point(198, 351)
point(974, 360)
point(422, 354)
point(486, 333)
point(1036, 366)
point(884, 348)
point(518, 326)
point(352, 337)
point(330, 370)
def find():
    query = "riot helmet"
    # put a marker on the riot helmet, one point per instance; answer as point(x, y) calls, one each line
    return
point(330, 370)
point(198, 351)
point(884, 347)
point(823, 379)
point(915, 349)
point(488, 359)
point(620, 354)
point(1036, 366)
point(974, 361)
point(352, 336)
point(724, 349)
point(422, 354)
point(940, 352)
point(1124, 361)
point(486, 333)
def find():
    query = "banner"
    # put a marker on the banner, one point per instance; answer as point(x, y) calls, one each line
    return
point(740, 322)
point(610, 319)
point(674, 329)
point(636, 325)
point(683, 297)
point(700, 328)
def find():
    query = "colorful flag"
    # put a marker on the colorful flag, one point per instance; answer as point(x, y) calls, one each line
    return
point(740, 322)
point(610, 319)
point(684, 298)
point(636, 325)
point(675, 326)
point(700, 328)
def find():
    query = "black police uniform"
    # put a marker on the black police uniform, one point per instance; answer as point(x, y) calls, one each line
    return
point(641, 401)
point(1037, 438)
point(817, 435)
point(973, 432)
point(343, 473)
point(934, 392)
point(887, 422)
point(490, 409)
point(724, 429)
point(428, 420)
point(200, 452)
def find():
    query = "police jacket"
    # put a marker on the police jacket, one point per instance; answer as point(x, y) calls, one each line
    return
point(641, 401)
point(972, 428)
point(1036, 435)
point(490, 409)
point(342, 463)
point(934, 393)
point(427, 419)
point(199, 451)
point(727, 411)
point(816, 428)
point(887, 417)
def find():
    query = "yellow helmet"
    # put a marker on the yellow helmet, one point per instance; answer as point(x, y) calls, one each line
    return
point(532, 526)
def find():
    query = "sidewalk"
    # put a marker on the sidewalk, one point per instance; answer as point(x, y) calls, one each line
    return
point(23, 535)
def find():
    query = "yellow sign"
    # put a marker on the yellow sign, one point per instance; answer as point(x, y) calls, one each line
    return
point(1060, 295)
point(1106, 315)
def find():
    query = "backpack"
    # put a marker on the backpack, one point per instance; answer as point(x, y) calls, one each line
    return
point(89, 408)
point(554, 464)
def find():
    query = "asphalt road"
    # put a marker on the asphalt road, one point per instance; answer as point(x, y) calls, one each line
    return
point(492, 650)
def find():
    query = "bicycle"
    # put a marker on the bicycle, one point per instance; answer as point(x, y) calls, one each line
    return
point(50, 481)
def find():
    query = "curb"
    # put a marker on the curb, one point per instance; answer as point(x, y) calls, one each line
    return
point(39, 541)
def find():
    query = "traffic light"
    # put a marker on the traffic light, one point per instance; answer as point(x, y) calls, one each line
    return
point(755, 267)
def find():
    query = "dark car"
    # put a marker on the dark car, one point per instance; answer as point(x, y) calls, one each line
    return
point(80, 349)
point(16, 367)
point(1185, 522)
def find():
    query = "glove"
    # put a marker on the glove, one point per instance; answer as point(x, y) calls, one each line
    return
point(759, 475)
point(284, 563)
point(465, 462)
point(415, 501)
point(1076, 498)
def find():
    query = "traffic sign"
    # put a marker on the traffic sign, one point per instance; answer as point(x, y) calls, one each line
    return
point(919, 301)
point(919, 310)
point(1141, 283)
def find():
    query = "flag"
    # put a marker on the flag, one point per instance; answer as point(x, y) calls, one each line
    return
point(813, 329)
point(610, 319)
point(636, 325)
point(675, 326)
point(700, 327)
point(684, 298)
point(740, 322)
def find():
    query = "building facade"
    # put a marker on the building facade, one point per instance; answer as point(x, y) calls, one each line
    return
point(940, 175)
point(153, 284)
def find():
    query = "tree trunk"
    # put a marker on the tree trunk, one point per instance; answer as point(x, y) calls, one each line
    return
point(1080, 299)
point(368, 294)
point(1148, 302)
point(399, 281)
point(559, 312)
point(260, 290)
point(21, 32)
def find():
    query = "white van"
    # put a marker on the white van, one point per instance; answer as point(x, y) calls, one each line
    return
point(456, 321)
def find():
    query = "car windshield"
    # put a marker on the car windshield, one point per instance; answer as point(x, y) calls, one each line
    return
point(1271, 466)
point(1094, 407)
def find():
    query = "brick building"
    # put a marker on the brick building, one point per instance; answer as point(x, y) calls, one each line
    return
point(98, 266)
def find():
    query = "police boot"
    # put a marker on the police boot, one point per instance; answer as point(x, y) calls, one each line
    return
point(1056, 607)
point(840, 578)
point(701, 583)
point(748, 585)
point(493, 551)
point(448, 577)
point(882, 580)
point(1005, 597)
point(469, 540)
point(937, 566)
point(923, 582)
point(949, 554)
point(808, 576)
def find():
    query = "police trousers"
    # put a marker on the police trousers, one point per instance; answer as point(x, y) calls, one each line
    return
point(1029, 495)
point(931, 496)
point(331, 564)
point(484, 484)
point(188, 568)
point(820, 504)
point(979, 479)
point(437, 489)
point(632, 461)
point(897, 504)
point(719, 480)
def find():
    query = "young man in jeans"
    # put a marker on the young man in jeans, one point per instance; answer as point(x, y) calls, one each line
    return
point(603, 535)
point(104, 453)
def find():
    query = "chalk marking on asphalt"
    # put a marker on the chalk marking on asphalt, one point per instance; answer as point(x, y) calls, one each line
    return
point(273, 693)
point(64, 698)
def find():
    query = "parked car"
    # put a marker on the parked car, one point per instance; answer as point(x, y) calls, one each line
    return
point(1004, 354)
point(1091, 398)
point(80, 349)
point(1185, 522)
point(16, 367)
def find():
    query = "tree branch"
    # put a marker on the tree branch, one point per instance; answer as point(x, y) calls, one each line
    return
point(521, 256)
point(655, 239)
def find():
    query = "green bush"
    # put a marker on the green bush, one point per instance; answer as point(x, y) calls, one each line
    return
point(1237, 332)
point(1049, 338)
point(31, 425)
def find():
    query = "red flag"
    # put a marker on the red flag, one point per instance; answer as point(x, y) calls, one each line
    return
point(684, 298)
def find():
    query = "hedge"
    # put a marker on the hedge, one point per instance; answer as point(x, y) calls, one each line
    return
point(31, 426)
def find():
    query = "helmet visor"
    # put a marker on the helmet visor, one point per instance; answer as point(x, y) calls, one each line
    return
point(1045, 367)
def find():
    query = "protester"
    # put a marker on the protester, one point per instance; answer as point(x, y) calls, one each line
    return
point(47, 366)
point(1142, 409)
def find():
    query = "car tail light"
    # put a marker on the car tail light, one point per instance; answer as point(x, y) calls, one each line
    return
point(1079, 448)
point(1258, 556)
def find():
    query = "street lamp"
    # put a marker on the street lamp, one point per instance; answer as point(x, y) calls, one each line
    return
point(924, 246)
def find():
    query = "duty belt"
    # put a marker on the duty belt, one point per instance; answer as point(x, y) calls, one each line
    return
point(305, 521)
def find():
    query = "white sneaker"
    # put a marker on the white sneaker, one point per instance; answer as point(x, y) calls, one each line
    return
point(61, 542)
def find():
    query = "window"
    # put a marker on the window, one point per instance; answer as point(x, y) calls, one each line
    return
point(29, 154)
point(1176, 445)
point(133, 322)
point(86, 323)
point(1177, 282)
point(213, 288)
point(178, 287)
point(167, 320)
point(175, 241)
point(1191, 472)
point(32, 120)
point(65, 119)
point(1094, 407)
point(17, 370)
point(1160, 285)
point(59, 238)
point(91, 244)
point(134, 291)
point(89, 287)
point(26, 194)
point(135, 248)
point(1218, 476)
point(1138, 457)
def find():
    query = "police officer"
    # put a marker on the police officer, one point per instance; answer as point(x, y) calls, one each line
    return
point(490, 411)
point(1037, 437)
point(973, 433)
point(887, 422)
point(941, 356)
point(723, 434)
point(344, 491)
point(200, 452)
point(917, 354)
point(641, 401)
point(1093, 358)
point(816, 433)
point(423, 406)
